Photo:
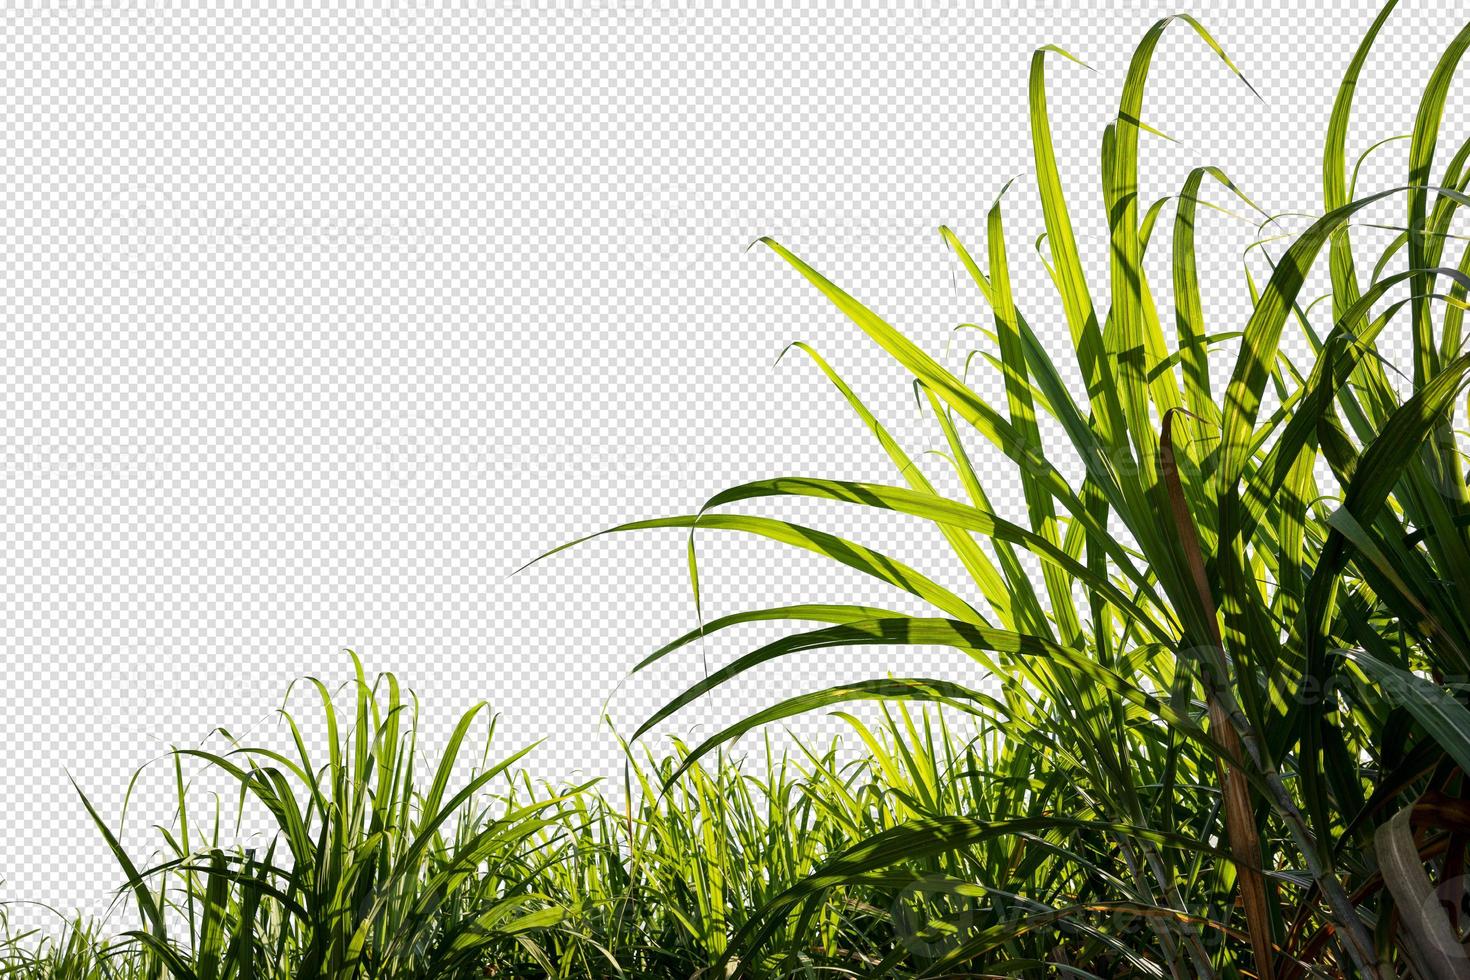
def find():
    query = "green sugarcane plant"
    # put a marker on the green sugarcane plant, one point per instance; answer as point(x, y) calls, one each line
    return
point(1226, 735)
point(367, 873)
point(1176, 672)
point(364, 869)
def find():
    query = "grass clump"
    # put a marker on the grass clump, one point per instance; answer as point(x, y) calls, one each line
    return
point(1230, 737)
point(366, 870)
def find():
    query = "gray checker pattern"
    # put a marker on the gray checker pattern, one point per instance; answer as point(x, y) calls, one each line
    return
point(318, 322)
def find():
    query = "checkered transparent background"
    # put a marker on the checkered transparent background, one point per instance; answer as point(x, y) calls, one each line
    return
point(318, 324)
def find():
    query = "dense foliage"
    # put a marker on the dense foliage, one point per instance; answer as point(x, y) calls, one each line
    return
point(1230, 736)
